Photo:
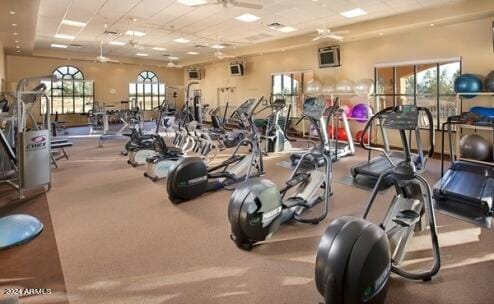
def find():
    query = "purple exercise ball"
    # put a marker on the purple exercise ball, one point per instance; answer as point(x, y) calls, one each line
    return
point(361, 112)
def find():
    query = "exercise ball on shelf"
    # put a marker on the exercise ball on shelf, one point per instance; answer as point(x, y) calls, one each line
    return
point(347, 109)
point(468, 83)
point(475, 147)
point(364, 87)
point(359, 134)
point(313, 87)
point(344, 86)
point(361, 112)
point(341, 134)
point(483, 111)
point(489, 82)
point(328, 88)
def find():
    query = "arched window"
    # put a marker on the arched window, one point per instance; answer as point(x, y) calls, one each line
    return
point(71, 94)
point(147, 90)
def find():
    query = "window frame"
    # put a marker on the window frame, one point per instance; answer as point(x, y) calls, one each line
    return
point(62, 81)
point(397, 95)
point(153, 80)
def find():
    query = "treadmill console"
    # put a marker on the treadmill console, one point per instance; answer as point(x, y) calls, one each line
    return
point(314, 107)
point(246, 107)
point(404, 117)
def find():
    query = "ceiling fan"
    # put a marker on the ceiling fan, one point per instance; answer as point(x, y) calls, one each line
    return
point(229, 3)
point(102, 58)
point(221, 55)
point(325, 32)
point(133, 42)
point(172, 64)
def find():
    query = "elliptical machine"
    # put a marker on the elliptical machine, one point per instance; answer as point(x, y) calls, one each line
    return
point(192, 178)
point(257, 208)
point(355, 257)
point(276, 139)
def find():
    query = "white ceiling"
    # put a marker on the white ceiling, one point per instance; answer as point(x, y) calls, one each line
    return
point(165, 20)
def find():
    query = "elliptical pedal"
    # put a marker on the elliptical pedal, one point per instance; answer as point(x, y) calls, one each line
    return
point(406, 218)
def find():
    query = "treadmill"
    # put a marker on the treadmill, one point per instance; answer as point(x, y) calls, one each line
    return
point(367, 173)
point(466, 190)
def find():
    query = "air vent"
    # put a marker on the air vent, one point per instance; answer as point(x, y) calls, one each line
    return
point(166, 55)
point(111, 33)
point(76, 46)
point(199, 46)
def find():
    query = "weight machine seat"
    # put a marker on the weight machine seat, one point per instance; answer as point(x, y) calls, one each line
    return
point(467, 183)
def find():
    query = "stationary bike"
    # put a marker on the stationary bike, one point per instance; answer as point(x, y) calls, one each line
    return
point(192, 178)
point(355, 257)
point(257, 208)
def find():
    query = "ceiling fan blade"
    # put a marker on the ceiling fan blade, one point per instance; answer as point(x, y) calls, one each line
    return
point(336, 37)
point(247, 5)
point(341, 32)
point(317, 38)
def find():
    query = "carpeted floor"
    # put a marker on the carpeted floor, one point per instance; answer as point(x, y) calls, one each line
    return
point(120, 240)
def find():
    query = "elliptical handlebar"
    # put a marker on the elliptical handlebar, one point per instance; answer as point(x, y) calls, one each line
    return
point(428, 113)
point(367, 146)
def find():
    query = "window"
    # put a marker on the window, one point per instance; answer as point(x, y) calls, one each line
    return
point(71, 94)
point(288, 86)
point(147, 91)
point(429, 85)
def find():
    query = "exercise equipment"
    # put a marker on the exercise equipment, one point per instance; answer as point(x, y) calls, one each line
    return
point(347, 109)
point(257, 208)
point(344, 86)
point(361, 112)
point(159, 165)
point(359, 134)
point(275, 138)
point(364, 87)
point(468, 83)
point(489, 82)
point(466, 190)
point(367, 173)
point(475, 147)
point(313, 88)
point(483, 111)
point(355, 257)
point(341, 134)
point(192, 178)
point(25, 157)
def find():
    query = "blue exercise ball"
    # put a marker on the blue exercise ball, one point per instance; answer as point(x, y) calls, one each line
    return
point(489, 82)
point(468, 83)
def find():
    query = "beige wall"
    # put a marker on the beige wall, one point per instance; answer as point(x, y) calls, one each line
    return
point(110, 80)
point(2, 67)
point(471, 40)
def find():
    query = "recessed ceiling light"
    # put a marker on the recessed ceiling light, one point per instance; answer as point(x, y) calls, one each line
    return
point(181, 40)
point(193, 53)
point(12, 12)
point(380, 34)
point(135, 33)
point(432, 24)
point(17, 41)
point(73, 23)
point(17, 51)
point(192, 2)
point(59, 46)
point(353, 13)
point(173, 58)
point(14, 24)
point(287, 29)
point(247, 18)
point(218, 46)
point(17, 47)
point(116, 43)
point(157, 48)
point(63, 36)
point(142, 54)
point(15, 34)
